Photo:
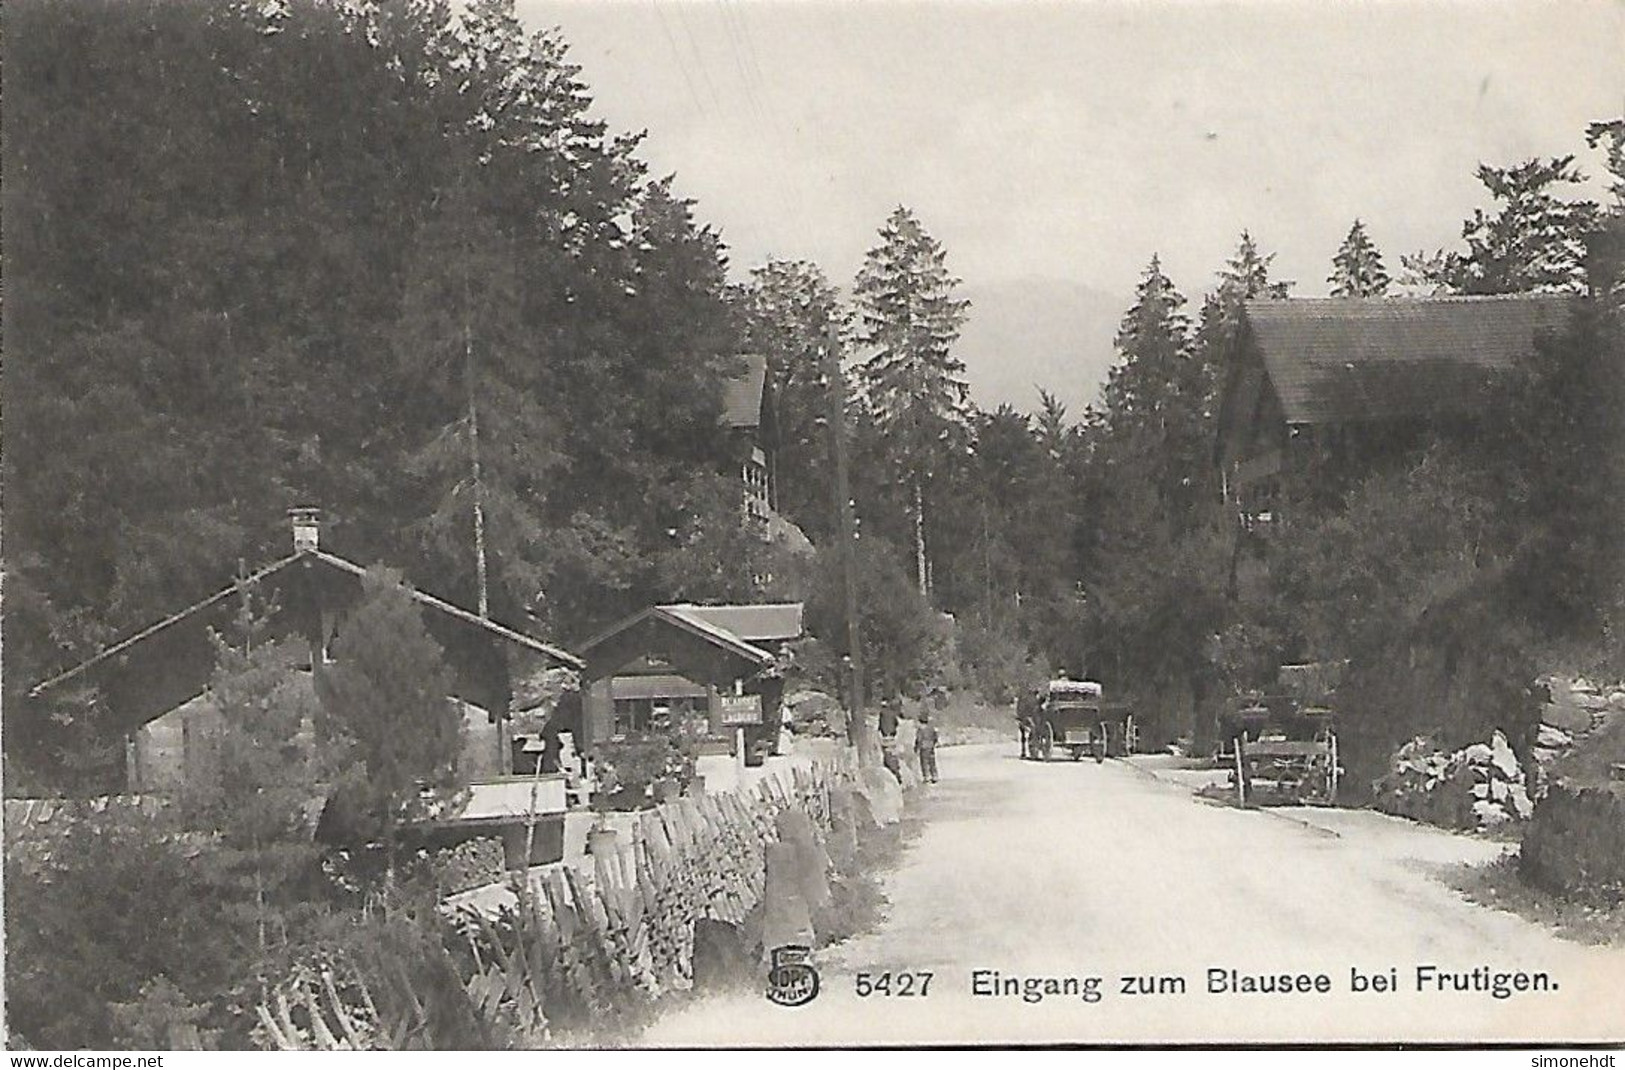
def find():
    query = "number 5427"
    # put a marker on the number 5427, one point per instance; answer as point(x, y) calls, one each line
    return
point(893, 983)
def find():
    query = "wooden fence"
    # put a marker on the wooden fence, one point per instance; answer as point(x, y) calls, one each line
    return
point(583, 945)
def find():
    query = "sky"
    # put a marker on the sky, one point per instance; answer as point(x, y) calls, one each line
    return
point(1054, 147)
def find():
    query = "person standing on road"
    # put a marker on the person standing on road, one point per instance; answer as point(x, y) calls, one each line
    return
point(925, 745)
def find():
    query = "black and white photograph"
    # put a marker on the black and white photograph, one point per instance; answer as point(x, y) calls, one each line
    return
point(812, 524)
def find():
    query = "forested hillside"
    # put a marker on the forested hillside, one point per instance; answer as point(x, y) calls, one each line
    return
point(235, 287)
point(263, 257)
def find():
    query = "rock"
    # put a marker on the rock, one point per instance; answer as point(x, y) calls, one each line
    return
point(1589, 700)
point(1617, 700)
point(786, 917)
point(1519, 804)
point(1552, 738)
point(1482, 791)
point(1568, 717)
point(1500, 791)
point(885, 795)
point(1581, 686)
point(1475, 754)
point(1489, 815)
point(1501, 757)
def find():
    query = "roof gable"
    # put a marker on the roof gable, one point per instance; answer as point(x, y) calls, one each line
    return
point(682, 618)
point(768, 622)
point(200, 615)
point(1332, 360)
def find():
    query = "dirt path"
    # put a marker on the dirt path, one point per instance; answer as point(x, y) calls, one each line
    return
point(1082, 870)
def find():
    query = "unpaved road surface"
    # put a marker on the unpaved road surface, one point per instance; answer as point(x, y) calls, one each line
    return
point(1087, 871)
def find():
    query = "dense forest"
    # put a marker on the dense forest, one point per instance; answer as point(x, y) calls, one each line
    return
point(234, 290)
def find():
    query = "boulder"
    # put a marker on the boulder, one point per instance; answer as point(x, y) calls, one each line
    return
point(786, 917)
point(884, 793)
point(1475, 754)
point(1501, 757)
point(1616, 700)
point(1588, 700)
point(812, 861)
point(1489, 814)
point(1567, 716)
point(1551, 738)
point(1518, 802)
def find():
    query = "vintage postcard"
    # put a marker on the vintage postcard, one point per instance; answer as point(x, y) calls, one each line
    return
point(763, 524)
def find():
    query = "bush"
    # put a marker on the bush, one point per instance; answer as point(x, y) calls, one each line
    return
point(1575, 844)
point(996, 663)
point(115, 904)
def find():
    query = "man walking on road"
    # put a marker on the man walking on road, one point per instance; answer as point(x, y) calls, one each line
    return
point(925, 745)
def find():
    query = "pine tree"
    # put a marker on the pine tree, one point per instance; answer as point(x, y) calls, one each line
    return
point(1246, 275)
point(1152, 340)
point(1357, 269)
point(1156, 398)
point(387, 698)
point(914, 385)
point(1535, 241)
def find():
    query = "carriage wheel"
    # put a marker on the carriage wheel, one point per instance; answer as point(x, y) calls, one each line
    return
point(1101, 741)
point(1240, 773)
point(1131, 735)
point(1045, 743)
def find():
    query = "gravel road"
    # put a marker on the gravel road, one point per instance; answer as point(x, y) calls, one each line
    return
point(1063, 877)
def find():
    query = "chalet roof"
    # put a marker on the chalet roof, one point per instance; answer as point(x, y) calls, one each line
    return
point(331, 560)
point(742, 394)
point(766, 622)
point(1336, 359)
point(684, 618)
point(501, 631)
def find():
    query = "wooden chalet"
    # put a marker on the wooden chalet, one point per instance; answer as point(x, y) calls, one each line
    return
point(151, 686)
point(1323, 390)
point(710, 671)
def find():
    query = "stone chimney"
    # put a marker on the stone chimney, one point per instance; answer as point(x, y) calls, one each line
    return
point(307, 528)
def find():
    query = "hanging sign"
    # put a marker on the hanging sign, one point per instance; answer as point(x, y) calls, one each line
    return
point(739, 709)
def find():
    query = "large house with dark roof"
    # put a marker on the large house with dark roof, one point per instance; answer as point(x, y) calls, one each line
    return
point(1323, 389)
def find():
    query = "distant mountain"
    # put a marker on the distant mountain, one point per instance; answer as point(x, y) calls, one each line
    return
point(1023, 334)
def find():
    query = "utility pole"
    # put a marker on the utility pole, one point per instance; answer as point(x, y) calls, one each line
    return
point(845, 530)
point(469, 379)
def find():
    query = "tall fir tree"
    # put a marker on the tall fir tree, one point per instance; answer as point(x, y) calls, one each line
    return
point(1534, 241)
point(1357, 269)
point(915, 387)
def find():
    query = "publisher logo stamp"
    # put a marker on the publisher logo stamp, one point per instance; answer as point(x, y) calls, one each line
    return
point(792, 979)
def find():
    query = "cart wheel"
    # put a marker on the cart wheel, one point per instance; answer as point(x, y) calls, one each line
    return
point(1101, 742)
point(1131, 735)
point(1045, 743)
point(1240, 773)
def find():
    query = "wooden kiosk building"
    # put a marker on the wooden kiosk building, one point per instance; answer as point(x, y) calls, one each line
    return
point(709, 671)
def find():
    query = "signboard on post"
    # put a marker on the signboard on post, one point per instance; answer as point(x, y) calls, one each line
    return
point(739, 709)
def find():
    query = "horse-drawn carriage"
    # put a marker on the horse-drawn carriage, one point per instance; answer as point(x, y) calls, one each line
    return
point(1074, 716)
point(1279, 749)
